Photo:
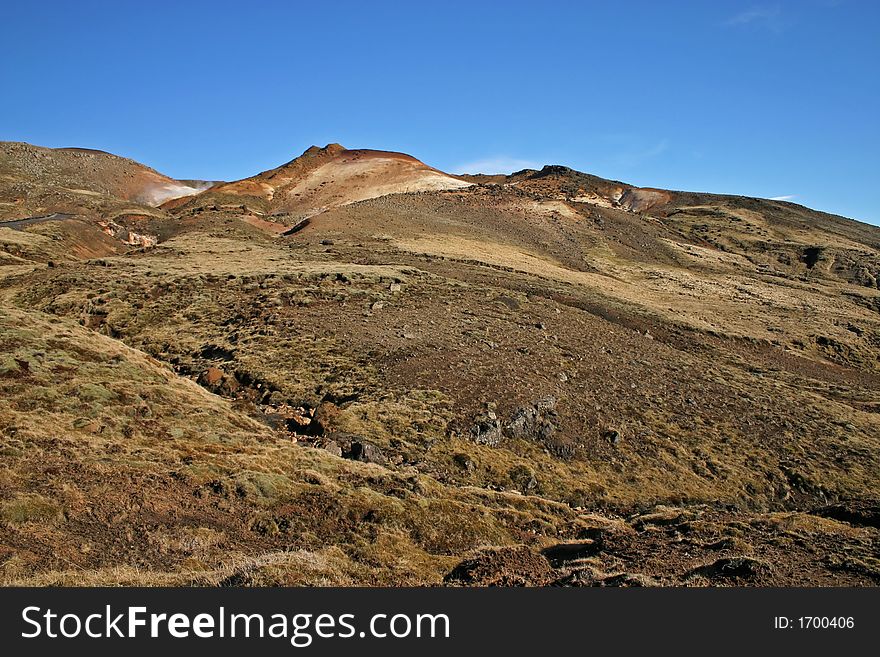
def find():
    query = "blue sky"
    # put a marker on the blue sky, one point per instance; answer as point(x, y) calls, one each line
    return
point(772, 99)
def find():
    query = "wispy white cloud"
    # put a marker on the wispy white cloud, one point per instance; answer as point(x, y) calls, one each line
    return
point(766, 16)
point(637, 154)
point(786, 197)
point(497, 164)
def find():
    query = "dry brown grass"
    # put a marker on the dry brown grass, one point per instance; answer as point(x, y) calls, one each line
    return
point(741, 401)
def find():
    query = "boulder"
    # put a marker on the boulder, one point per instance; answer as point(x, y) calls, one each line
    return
point(211, 377)
point(538, 421)
point(613, 436)
point(357, 448)
point(330, 446)
point(523, 477)
point(218, 382)
point(323, 419)
point(486, 429)
point(362, 450)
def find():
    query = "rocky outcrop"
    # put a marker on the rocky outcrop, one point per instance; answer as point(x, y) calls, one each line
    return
point(487, 427)
point(123, 234)
point(353, 447)
point(538, 421)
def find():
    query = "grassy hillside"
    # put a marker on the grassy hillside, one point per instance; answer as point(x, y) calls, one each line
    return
point(532, 380)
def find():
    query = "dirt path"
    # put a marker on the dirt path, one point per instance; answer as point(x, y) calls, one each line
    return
point(19, 224)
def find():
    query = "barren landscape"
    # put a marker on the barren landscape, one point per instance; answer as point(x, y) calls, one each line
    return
point(356, 369)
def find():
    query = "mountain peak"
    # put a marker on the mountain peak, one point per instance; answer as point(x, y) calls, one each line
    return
point(331, 176)
point(329, 149)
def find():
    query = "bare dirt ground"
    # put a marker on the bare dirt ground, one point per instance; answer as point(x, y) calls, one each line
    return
point(541, 379)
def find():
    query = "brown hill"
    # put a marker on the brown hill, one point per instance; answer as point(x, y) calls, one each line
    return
point(80, 202)
point(324, 178)
point(35, 179)
point(544, 378)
